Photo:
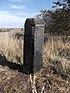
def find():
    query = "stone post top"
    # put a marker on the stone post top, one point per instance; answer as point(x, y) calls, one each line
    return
point(35, 22)
point(30, 22)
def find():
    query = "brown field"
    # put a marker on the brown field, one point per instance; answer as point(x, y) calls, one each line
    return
point(54, 77)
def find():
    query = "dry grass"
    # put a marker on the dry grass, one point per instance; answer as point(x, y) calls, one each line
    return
point(11, 47)
point(56, 49)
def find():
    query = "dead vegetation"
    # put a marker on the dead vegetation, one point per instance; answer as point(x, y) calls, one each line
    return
point(11, 47)
point(54, 77)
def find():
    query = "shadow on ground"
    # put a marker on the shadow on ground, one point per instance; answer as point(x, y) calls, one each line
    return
point(21, 68)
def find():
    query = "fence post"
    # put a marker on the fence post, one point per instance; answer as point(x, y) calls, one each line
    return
point(33, 45)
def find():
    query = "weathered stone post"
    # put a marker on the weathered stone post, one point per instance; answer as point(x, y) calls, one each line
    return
point(33, 46)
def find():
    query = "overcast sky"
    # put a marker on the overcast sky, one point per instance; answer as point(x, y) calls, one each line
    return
point(14, 12)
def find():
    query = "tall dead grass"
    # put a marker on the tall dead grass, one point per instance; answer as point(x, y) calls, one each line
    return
point(11, 47)
point(57, 48)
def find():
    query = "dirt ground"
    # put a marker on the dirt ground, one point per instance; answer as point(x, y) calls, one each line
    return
point(13, 81)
